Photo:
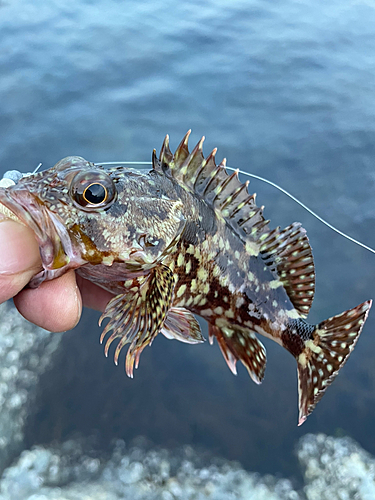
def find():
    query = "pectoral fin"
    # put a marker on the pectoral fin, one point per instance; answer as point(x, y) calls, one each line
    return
point(137, 316)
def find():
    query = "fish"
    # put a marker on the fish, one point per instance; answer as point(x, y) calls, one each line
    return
point(185, 239)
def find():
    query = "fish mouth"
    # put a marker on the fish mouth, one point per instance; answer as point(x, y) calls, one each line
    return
point(55, 245)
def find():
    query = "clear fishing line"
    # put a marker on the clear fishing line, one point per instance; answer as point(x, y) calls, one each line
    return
point(353, 240)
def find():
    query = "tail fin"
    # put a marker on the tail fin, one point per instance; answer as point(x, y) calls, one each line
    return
point(325, 353)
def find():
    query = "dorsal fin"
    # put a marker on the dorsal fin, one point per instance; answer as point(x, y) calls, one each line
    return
point(288, 254)
point(222, 191)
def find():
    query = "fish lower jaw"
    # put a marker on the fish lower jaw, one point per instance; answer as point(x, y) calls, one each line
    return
point(52, 271)
point(45, 275)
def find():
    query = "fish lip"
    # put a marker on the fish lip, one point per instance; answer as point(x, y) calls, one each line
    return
point(30, 212)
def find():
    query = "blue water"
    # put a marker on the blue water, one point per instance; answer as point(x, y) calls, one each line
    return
point(285, 90)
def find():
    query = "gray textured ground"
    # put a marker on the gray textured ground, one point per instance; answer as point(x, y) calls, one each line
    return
point(135, 474)
point(25, 353)
point(334, 468)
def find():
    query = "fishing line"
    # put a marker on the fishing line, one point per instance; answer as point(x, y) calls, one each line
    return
point(37, 168)
point(353, 240)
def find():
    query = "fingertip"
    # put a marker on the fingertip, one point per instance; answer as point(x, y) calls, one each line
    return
point(56, 305)
point(19, 250)
point(19, 258)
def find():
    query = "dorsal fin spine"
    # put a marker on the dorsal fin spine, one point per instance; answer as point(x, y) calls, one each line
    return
point(188, 164)
point(192, 156)
point(204, 177)
point(229, 179)
point(212, 184)
point(198, 171)
point(165, 153)
point(199, 147)
point(234, 195)
point(182, 151)
point(243, 203)
point(251, 215)
point(213, 174)
point(223, 185)
point(209, 160)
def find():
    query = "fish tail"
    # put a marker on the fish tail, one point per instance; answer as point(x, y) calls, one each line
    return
point(324, 353)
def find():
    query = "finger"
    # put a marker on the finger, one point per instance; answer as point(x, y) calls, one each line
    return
point(19, 258)
point(93, 296)
point(56, 305)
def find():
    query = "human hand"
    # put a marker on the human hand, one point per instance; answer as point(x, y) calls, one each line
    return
point(56, 305)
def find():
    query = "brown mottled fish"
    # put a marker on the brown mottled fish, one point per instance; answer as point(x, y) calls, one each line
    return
point(185, 238)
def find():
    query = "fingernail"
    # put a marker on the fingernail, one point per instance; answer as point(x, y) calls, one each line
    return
point(19, 250)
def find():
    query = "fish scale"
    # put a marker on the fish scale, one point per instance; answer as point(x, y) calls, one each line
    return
point(185, 238)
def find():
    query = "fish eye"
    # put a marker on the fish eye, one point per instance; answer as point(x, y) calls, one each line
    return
point(92, 189)
point(95, 193)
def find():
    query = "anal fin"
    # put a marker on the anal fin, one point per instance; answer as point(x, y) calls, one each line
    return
point(243, 345)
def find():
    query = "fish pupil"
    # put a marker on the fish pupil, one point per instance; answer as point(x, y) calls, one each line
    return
point(95, 193)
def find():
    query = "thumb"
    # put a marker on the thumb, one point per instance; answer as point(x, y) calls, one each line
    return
point(19, 258)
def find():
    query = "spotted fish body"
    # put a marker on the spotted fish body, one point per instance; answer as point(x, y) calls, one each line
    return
point(185, 238)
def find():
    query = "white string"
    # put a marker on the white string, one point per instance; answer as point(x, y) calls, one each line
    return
point(124, 163)
point(271, 184)
point(37, 168)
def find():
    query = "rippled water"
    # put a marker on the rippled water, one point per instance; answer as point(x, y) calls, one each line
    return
point(285, 90)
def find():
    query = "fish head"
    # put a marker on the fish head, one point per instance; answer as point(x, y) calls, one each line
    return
point(82, 213)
